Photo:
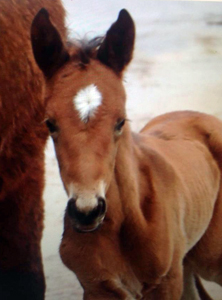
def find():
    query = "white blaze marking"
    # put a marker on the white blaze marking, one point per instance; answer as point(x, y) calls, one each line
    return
point(87, 101)
point(87, 200)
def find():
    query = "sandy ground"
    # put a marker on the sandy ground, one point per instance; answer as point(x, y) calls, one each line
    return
point(177, 65)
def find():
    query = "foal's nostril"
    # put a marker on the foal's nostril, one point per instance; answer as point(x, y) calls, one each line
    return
point(71, 207)
point(101, 205)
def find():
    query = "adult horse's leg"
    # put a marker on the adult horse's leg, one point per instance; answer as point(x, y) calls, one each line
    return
point(21, 224)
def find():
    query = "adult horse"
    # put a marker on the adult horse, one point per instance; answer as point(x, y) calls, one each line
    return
point(22, 140)
point(144, 212)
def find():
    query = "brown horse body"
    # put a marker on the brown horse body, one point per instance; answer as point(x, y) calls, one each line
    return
point(22, 141)
point(144, 212)
point(163, 195)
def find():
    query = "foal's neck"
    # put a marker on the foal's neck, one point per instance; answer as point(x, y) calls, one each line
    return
point(136, 169)
point(127, 173)
point(140, 211)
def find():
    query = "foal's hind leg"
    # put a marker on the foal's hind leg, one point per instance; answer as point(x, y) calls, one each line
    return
point(201, 290)
point(192, 286)
point(206, 256)
point(189, 287)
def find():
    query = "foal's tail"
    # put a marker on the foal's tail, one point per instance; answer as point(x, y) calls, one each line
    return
point(201, 290)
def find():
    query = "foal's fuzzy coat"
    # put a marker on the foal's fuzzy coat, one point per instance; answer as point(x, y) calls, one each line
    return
point(22, 140)
point(163, 194)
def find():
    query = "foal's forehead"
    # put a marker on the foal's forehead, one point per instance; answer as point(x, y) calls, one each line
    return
point(88, 91)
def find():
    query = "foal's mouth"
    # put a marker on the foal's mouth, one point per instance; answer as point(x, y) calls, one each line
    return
point(86, 229)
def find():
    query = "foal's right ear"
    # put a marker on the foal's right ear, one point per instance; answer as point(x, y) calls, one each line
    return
point(48, 48)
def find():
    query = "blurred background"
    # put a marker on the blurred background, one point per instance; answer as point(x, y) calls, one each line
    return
point(177, 65)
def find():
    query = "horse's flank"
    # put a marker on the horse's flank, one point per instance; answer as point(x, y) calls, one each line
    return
point(22, 140)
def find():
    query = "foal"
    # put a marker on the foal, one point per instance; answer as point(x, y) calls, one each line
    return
point(22, 141)
point(145, 210)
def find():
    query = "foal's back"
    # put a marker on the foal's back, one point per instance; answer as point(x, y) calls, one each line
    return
point(188, 131)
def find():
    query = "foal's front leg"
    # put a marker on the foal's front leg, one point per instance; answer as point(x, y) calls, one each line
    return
point(170, 288)
point(111, 289)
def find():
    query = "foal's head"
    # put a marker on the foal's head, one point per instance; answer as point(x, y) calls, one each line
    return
point(85, 110)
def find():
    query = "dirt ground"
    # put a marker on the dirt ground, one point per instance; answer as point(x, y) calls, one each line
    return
point(177, 65)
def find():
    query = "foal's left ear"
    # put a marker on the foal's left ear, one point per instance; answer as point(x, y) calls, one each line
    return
point(117, 48)
point(48, 48)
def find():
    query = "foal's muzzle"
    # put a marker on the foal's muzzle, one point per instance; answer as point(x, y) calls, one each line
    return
point(86, 221)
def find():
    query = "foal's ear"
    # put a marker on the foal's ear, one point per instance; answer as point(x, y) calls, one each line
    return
point(48, 48)
point(117, 48)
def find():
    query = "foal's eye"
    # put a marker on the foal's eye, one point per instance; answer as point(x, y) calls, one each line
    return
point(51, 126)
point(119, 127)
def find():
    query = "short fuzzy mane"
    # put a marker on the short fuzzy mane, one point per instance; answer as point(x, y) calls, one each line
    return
point(85, 50)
